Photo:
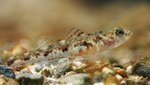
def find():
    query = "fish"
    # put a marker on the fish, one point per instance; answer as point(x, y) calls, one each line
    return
point(76, 45)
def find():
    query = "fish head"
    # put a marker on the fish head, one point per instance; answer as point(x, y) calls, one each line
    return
point(119, 36)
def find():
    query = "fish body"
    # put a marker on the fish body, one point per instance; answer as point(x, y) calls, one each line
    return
point(74, 46)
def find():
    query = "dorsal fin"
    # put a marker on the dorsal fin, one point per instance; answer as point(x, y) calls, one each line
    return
point(43, 43)
point(74, 32)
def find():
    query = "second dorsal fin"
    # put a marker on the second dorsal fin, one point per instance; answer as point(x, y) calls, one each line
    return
point(74, 32)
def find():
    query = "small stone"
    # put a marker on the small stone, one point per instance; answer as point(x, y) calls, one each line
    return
point(7, 81)
point(38, 67)
point(119, 77)
point(7, 71)
point(51, 81)
point(142, 69)
point(106, 71)
point(123, 82)
point(111, 80)
point(63, 66)
point(46, 72)
point(129, 69)
point(98, 77)
point(136, 80)
point(25, 78)
point(122, 72)
point(70, 73)
point(78, 64)
point(100, 83)
point(77, 79)
point(18, 50)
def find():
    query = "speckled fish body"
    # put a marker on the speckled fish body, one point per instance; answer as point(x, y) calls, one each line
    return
point(87, 44)
point(82, 45)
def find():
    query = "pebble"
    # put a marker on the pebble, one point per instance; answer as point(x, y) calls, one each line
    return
point(63, 66)
point(98, 77)
point(122, 72)
point(129, 69)
point(25, 78)
point(111, 80)
point(46, 71)
point(142, 69)
point(7, 71)
point(77, 79)
point(7, 81)
point(38, 67)
point(119, 77)
point(107, 70)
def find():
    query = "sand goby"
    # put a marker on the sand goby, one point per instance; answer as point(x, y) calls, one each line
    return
point(74, 46)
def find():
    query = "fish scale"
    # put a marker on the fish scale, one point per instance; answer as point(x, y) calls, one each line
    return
point(74, 46)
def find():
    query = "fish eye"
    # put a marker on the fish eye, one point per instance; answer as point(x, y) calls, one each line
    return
point(119, 32)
